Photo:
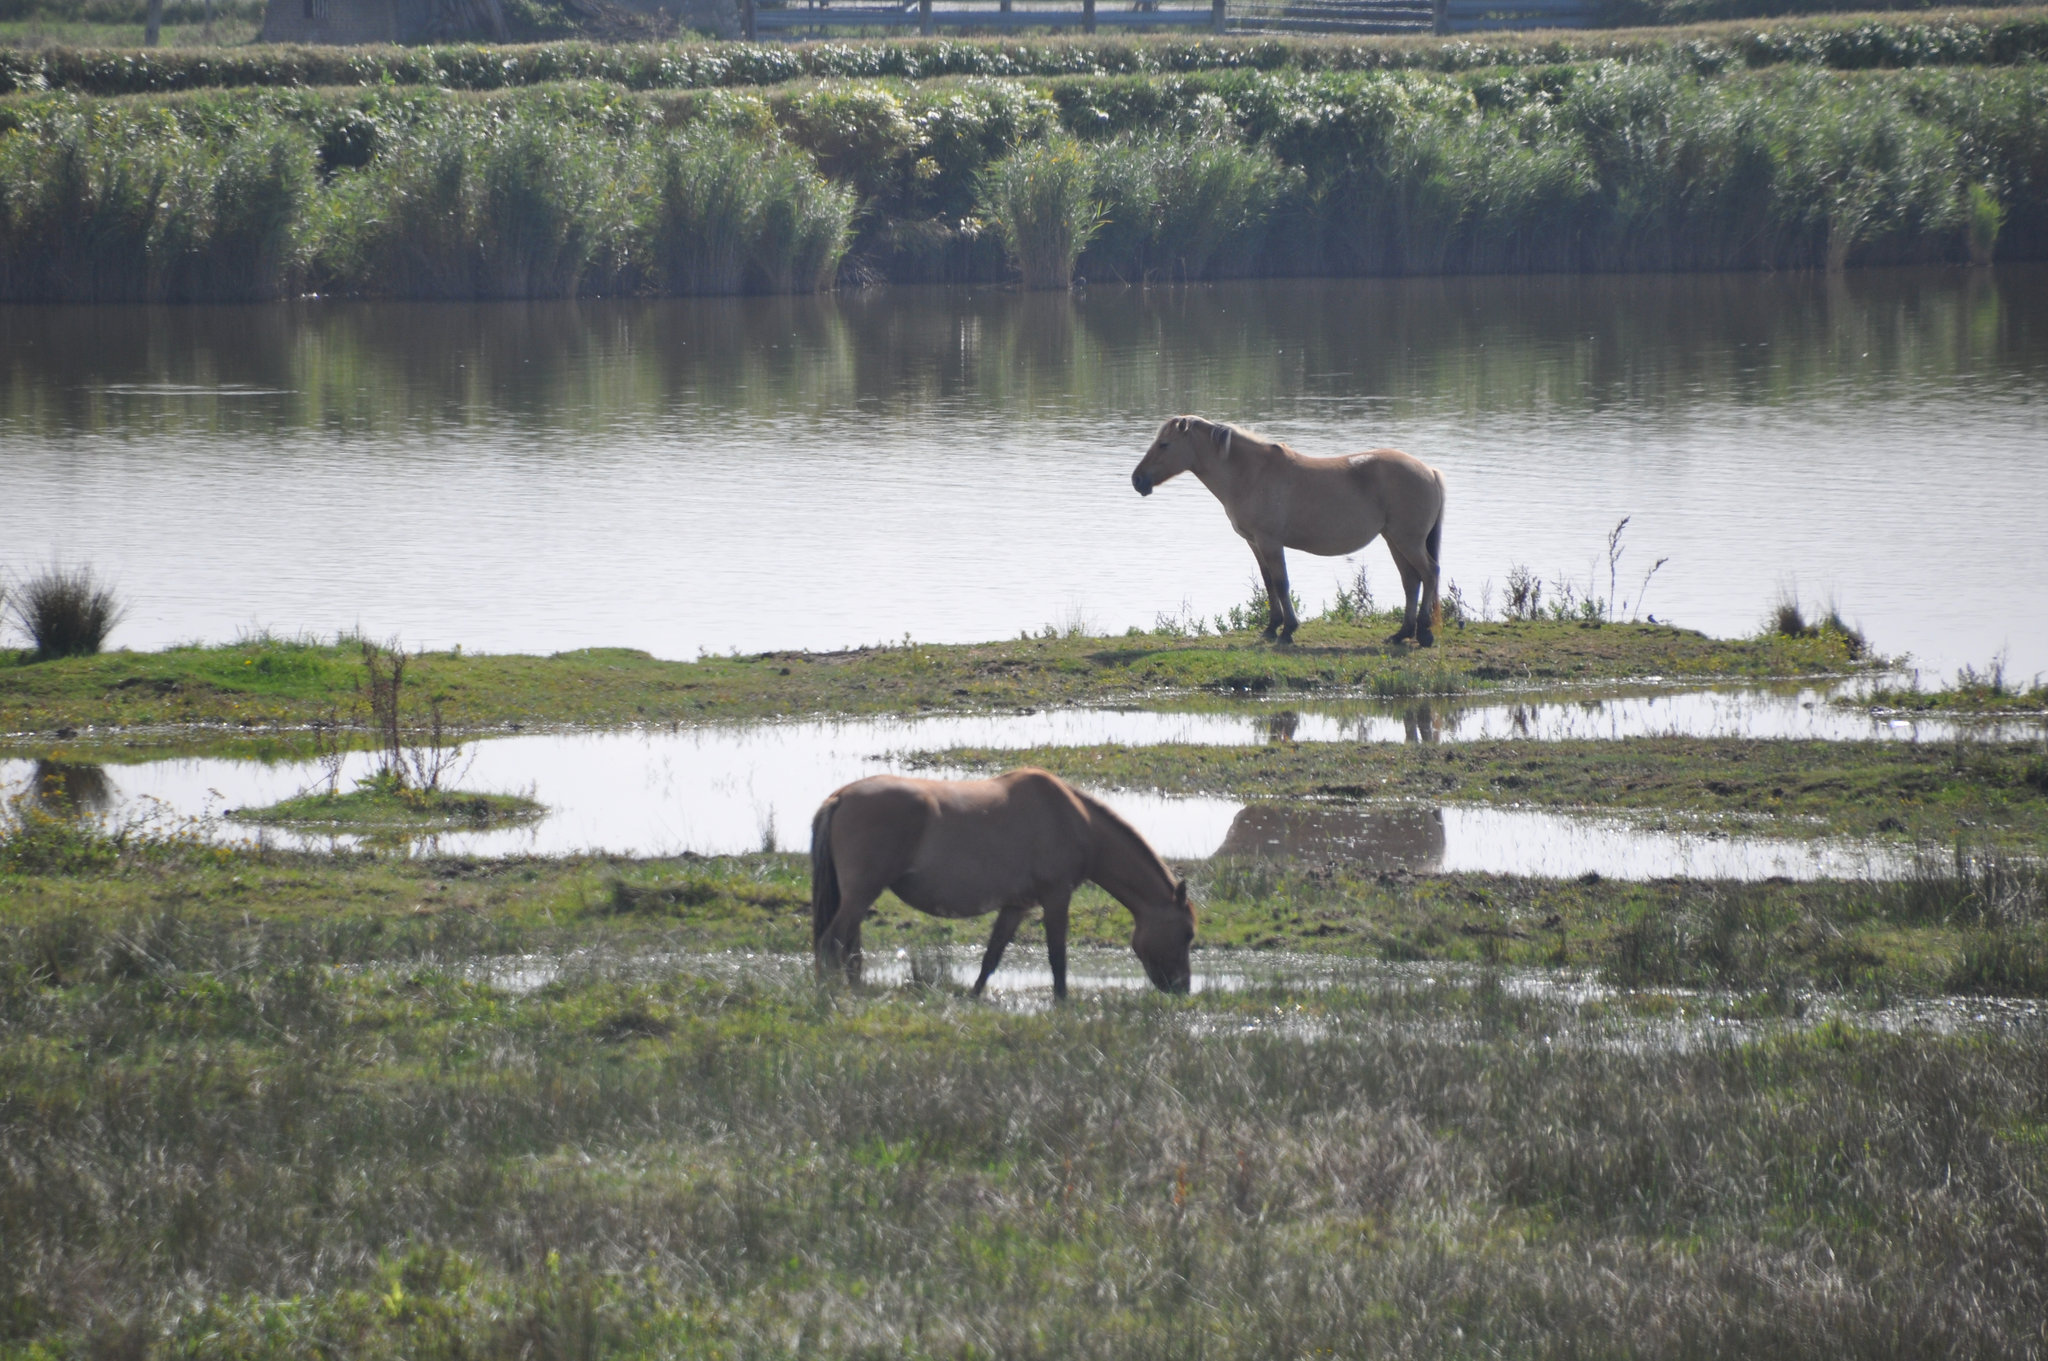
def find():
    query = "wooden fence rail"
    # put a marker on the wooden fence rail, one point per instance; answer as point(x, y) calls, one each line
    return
point(1220, 16)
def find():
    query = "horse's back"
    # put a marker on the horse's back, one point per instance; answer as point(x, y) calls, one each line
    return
point(960, 847)
point(1409, 491)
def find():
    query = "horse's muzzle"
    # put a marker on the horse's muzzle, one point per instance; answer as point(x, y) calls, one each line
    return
point(1142, 483)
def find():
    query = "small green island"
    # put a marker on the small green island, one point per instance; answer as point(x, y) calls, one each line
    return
point(382, 804)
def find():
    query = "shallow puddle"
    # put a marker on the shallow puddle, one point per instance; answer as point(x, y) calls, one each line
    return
point(726, 789)
point(1594, 1012)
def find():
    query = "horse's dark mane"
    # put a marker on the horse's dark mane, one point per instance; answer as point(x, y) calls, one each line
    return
point(1238, 433)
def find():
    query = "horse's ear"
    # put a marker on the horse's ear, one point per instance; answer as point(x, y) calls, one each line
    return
point(1180, 425)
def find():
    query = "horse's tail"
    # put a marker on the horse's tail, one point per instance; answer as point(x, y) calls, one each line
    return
point(1434, 543)
point(824, 875)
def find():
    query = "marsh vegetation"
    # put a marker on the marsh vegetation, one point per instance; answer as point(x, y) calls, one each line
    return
point(590, 187)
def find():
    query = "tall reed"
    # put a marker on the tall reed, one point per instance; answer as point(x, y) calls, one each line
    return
point(1042, 201)
point(728, 213)
point(1185, 208)
point(104, 206)
point(467, 206)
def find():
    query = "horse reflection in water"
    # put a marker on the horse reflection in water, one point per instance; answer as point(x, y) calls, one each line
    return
point(965, 848)
point(1374, 838)
point(1419, 723)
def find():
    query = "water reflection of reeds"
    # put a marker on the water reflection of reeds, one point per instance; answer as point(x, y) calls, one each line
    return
point(1475, 346)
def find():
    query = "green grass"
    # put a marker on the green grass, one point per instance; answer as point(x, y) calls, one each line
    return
point(232, 1133)
point(245, 689)
point(1927, 791)
point(1930, 933)
point(378, 807)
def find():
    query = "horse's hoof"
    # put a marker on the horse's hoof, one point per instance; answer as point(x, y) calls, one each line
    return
point(1425, 639)
point(1400, 637)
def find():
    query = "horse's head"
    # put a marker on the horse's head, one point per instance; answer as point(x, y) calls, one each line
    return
point(1161, 938)
point(1180, 444)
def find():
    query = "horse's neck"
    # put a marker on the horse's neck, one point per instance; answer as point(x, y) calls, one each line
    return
point(1224, 472)
point(1121, 860)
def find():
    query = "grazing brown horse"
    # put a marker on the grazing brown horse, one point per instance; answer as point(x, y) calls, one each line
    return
point(1277, 500)
point(960, 848)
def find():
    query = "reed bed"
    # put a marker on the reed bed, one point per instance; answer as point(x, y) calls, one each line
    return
point(330, 1139)
point(586, 189)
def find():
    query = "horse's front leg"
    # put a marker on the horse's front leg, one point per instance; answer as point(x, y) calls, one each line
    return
point(1007, 922)
point(1280, 620)
point(1055, 906)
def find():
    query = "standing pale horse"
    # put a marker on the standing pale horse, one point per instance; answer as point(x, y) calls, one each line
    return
point(1277, 500)
point(962, 848)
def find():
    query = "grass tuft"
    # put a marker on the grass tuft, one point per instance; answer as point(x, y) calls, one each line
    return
point(66, 612)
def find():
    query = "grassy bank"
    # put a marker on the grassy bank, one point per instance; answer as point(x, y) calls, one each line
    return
point(589, 188)
point(267, 683)
point(1929, 791)
point(1980, 926)
point(354, 1148)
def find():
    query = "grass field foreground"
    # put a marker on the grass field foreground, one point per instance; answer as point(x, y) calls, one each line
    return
point(232, 1140)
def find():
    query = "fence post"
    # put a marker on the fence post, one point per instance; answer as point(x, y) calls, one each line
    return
point(1006, 6)
point(1087, 16)
point(1440, 16)
point(924, 17)
point(1216, 15)
point(747, 20)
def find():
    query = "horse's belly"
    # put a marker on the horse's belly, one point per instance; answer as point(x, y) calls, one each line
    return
point(940, 894)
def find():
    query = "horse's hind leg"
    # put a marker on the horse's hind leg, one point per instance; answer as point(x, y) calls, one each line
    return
point(1007, 922)
point(1418, 568)
point(838, 945)
point(1411, 589)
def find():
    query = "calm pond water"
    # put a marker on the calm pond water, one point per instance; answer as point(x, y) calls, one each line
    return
point(726, 788)
point(953, 464)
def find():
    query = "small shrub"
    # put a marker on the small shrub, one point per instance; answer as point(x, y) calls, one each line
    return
point(66, 612)
point(39, 836)
point(1253, 614)
point(1525, 594)
point(1833, 625)
point(1353, 603)
point(1788, 618)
